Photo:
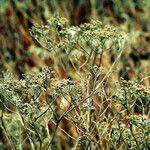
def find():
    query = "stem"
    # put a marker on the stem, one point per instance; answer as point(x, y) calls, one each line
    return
point(122, 136)
point(95, 54)
point(100, 59)
point(52, 139)
point(7, 134)
point(56, 127)
point(134, 135)
point(39, 138)
point(32, 143)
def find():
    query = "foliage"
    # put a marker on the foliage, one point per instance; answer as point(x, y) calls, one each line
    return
point(98, 114)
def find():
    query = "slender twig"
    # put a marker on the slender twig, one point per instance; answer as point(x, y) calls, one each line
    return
point(145, 78)
point(121, 136)
point(44, 112)
point(7, 107)
point(7, 134)
point(38, 135)
point(131, 129)
point(65, 132)
point(48, 146)
point(26, 129)
point(58, 120)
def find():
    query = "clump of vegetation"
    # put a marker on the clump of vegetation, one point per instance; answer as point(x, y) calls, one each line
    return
point(83, 107)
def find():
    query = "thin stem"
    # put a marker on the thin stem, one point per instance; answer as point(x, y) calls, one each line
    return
point(65, 132)
point(26, 129)
point(7, 134)
point(52, 139)
point(39, 138)
point(133, 135)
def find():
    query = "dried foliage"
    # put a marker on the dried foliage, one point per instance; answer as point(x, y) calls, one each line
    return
point(82, 109)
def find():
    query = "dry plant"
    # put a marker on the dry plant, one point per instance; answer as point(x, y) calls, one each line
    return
point(84, 110)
